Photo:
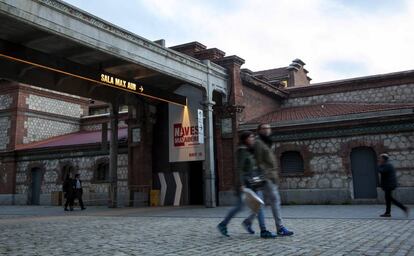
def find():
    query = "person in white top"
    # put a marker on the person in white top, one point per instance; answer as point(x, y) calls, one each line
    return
point(79, 190)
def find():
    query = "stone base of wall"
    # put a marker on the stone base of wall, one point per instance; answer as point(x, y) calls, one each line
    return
point(7, 199)
point(20, 199)
point(315, 196)
point(227, 198)
point(140, 199)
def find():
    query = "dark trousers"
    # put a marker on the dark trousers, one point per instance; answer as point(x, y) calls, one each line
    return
point(78, 195)
point(69, 201)
point(389, 199)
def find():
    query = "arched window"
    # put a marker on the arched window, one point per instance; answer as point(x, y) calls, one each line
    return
point(102, 172)
point(291, 162)
point(67, 169)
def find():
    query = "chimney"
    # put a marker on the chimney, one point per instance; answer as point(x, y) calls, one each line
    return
point(189, 49)
point(210, 54)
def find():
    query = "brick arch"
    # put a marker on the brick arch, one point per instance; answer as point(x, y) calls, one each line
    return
point(304, 152)
point(28, 183)
point(347, 148)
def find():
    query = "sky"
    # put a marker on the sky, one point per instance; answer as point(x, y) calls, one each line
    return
point(337, 39)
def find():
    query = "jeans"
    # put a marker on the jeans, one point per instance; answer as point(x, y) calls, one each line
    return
point(260, 215)
point(239, 206)
point(271, 192)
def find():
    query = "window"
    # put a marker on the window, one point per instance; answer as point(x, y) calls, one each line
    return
point(291, 162)
point(102, 172)
point(98, 110)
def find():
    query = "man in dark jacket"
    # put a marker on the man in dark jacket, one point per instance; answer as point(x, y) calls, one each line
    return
point(79, 190)
point(68, 192)
point(388, 184)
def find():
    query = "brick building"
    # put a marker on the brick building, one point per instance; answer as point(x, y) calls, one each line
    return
point(327, 135)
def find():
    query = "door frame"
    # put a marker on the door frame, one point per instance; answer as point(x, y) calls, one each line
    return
point(352, 171)
point(29, 180)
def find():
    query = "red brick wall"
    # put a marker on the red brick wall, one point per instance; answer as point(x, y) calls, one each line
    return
point(7, 177)
point(257, 104)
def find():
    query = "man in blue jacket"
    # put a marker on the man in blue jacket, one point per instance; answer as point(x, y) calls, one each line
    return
point(388, 184)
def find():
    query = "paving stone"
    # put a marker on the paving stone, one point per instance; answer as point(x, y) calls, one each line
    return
point(193, 232)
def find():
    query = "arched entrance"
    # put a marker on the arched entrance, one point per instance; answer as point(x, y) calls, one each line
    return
point(36, 175)
point(364, 175)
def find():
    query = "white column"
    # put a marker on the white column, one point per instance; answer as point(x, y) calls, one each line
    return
point(209, 166)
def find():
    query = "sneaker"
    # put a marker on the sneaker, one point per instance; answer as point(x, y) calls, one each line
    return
point(267, 234)
point(248, 227)
point(222, 229)
point(385, 215)
point(284, 232)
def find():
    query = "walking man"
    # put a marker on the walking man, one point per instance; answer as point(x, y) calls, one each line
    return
point(246, 165)
point(79, 190)
point(388, 184)
point(68, 192)
point(266, 161)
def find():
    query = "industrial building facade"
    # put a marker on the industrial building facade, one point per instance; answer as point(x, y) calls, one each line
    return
point(172, 126)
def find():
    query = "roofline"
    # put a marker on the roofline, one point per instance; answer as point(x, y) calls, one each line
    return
point(335, 119)
point(271, 88)
point(357, 83)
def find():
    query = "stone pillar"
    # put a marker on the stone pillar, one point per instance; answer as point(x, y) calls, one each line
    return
point(113, 155)
point(104, 136)
point(209, 170)
point(209, 166)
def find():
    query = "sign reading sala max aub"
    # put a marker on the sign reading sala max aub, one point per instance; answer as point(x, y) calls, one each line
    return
point(120, 83)
point(186, 129)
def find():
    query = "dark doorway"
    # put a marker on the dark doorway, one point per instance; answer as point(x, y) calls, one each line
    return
point(36, 182)
point(365, 178)
point(195, 183)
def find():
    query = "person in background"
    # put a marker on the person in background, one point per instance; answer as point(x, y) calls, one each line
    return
point(68, 192)
point(388, 184)
point(78, 190)
point(246, 164)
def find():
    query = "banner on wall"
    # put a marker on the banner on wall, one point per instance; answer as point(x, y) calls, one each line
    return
point(186, 127)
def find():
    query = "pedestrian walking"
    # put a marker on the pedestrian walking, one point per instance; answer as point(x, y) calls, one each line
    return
point(68, 192)
point(79, 191)
point(389, 184)
point(246, 167)
point(266, 161)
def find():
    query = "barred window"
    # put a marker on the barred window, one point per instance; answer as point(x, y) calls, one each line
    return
point(291, 162)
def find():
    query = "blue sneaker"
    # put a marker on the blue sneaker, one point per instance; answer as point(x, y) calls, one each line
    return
point(222, 229)
point(284, 232)
point(248, 227)
point(267, 234)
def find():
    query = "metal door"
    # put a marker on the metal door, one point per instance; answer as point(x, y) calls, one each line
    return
point(364, 175)
point(36, 182)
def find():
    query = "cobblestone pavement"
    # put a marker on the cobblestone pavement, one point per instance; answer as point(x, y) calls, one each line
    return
point(192, 231)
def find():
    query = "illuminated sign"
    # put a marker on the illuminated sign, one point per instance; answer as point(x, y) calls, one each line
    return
point(185, 135)
point(185, 127)
point(120, 83)
point(42, 61)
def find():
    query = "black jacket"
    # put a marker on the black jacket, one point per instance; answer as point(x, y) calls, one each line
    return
point(68, 187)
point(388, 176)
